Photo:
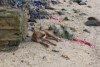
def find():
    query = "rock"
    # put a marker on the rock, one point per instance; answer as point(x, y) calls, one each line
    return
point(45, 58)
point(92, 21)
point(80, 2)
point(31, 24)
point(85, 30)
point(55, 50)
point(66, 19)
point(55, 2)
point(63, 9)
point(76, 10)
point(73, 29)
point(49, 8)
point(22, 61)
point(89, 6)
point(32, 20)
point(82, 14)
point(13, 53)
point(66, 57)
point(64, 0)
point(60, 12)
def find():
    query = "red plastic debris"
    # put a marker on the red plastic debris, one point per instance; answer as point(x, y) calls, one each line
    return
point(82, 41)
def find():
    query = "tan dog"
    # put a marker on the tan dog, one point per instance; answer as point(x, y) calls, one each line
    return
point(43, 36)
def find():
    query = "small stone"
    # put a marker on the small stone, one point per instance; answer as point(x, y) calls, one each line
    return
point(89, 6)
point(85, 30)
point(44, 57)
point(22, 61)
point(32, 24)
point(55, 50)
point(66, 18)
point(64, 0)
point(66, 57)
point(13, 53)
point(73, 29)
point(60, 13)
point(63, 9)
point(82, 14)
point(76, 10)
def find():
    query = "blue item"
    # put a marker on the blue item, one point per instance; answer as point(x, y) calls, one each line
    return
point(37, 3)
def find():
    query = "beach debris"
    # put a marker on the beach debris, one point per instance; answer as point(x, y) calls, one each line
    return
point(62, 31)
point(38, 14)
point(65, 56)
point(92, 21)
point(82, 41)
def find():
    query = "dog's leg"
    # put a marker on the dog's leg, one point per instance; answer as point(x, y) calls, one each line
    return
point(52, 36)
point(46, 40)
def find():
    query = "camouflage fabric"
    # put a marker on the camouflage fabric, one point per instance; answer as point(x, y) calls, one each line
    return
point(62, 31)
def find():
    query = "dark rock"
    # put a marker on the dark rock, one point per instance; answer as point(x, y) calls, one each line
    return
point(66, 57)
point(44, 57)
point(73, 29)
point(92, 21)
point(32, 20)
point(50, 8)
point(63, 9)
point(64, 0)
point(80, 2)
point(13, 53)
point(55, 2)
point(60, 12)
point(22, 61)
point(32, 24)
point(55, 50)
point(66, 18)
point(85, 30)
point(89, 6)
point(82, 14)
point(27, 36)
point(76, 10)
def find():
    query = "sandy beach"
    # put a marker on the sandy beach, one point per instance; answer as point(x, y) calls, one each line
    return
point(31, 54)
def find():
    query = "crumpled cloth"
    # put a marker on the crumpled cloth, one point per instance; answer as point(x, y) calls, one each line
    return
point(82, 41)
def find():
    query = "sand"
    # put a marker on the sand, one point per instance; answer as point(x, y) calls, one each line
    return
point(31, 54)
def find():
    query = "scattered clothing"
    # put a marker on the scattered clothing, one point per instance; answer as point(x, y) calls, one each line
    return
point(62, 31)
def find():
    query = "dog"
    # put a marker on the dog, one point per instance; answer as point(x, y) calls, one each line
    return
point(43, 37)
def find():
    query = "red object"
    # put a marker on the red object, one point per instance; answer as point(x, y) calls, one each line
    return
point(82, 41)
